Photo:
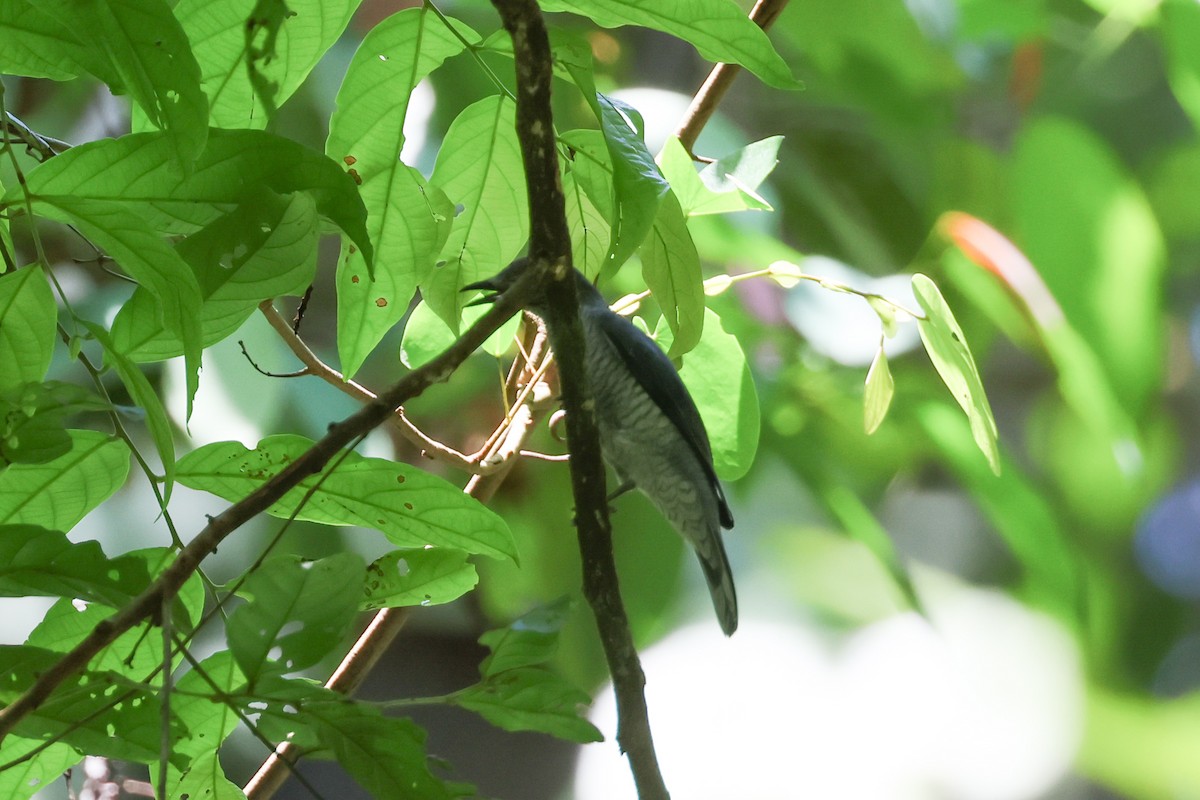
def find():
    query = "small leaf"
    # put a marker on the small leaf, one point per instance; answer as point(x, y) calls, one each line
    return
point(59, 493)
point(727, 184)
point(205, 780)
point(886, 312)
point(785, 273)
point(32, 420)
point(418, 578)
point(531, 639)
point(313, 602)
point(426, 336)
point(411, 507)
point(28, 324)
point(198, 703)
point(877, 397)
point(949, 352)
point(26, 778)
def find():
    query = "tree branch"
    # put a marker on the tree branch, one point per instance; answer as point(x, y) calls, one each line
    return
point(147, 605)
point(705, 103)
point(550, 254)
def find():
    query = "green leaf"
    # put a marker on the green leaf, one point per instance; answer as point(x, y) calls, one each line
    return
point(591, 235)
point(727, 184)
point(479, 168)
point(719, 380)
point(530, 640)
point(1180, 28)
point(638, 184)
point(877, 397)
point(27, 778)
point(143, 52)
point(28, 324)
point(199, 706)
point(384, 754)
point(60, 492)
point(32, 420)
point(411, 507)
point(426, 336)
point(39, 562)
point(264, 248)
point(418, 578)
point(205, 780)
point(36, 44)
point(148, 258)
point(1091, 233)
point(315, 602)
point(144, 395)
point(671, 269)
point(718, 29)
point(218, 30)
point(408, 219)
point(86, 709)
point(531, 699)
point(419, 218)
point(236, 167)
point(592, 168)
point(949, 352)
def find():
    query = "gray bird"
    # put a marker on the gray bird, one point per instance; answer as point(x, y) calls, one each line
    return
point(650, 431)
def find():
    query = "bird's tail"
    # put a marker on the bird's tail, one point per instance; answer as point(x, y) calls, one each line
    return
point(720, 581)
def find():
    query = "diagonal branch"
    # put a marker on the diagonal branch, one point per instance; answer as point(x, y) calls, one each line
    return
point(550, 255)
point(147, 605)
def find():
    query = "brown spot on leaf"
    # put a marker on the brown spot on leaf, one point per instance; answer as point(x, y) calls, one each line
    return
point(350, 160)
point(354, 174)
point(381, 302)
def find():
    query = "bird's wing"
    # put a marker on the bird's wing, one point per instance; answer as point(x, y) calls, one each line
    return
point(657, 376)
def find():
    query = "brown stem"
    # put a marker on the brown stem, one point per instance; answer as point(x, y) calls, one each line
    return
point(550, 254)
point(705, 103)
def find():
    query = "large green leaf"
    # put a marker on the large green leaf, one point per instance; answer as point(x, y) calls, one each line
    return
point(418, 578)
point(718, 29)
point(28, 324)
point(591, 234)
point(199, 706)
point(386, 755)
point(264, 248)
point(671, 269)
point(59, 493)
point(138, 47)
point(147, 257)
point(36, 44)
point(35, 561)
point(236, 167)
point(303, 609)
point(217, 29)
point(426, 336)
point(718, 378)
point(950, 354)
point(638, 184)
point(205, 779)
point(408, 219)
point(411, 507)
point(480, 169)
point(85, 709)
point(727, 184)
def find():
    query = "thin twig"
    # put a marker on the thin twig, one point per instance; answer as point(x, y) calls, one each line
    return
point(705, 103)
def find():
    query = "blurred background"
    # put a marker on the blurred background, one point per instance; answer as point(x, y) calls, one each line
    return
point(1056, 650)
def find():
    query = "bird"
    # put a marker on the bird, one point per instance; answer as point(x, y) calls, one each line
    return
point(651, 433)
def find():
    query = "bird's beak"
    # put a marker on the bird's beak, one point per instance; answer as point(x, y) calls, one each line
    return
point(485, 286)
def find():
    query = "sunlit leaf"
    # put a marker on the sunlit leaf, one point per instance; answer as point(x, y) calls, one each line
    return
point(638, 184)
point(949, 352)
point(426, 336)
point(26, 778)
point(728, 184)
point(32, 420)
point(720, 31)
point(28, 328)
point(418, 578)
point(35, 561)
point(59, 493)
point(479, 168)
point(671, 269)
point(877, 397)
point(411, 507)
point(36, 44)
point(529, 699)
